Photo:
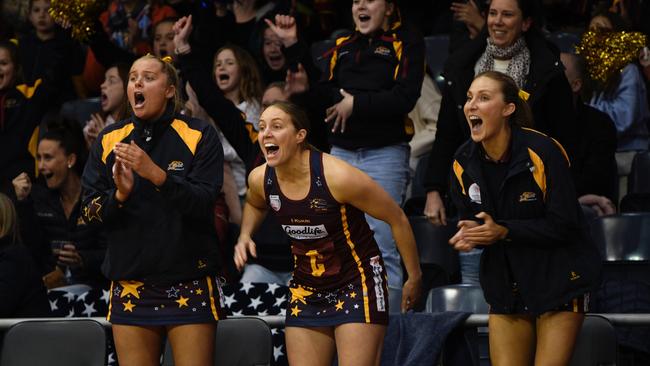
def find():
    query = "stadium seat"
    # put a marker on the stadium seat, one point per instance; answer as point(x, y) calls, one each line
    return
point(639, 179)
point(55, 343)
point(437, 50)
point(81, 109)
point(565, 41)
point(596, 343)
point(239, 342)
point(457, 298)
point(433, 244)
point(623, 238)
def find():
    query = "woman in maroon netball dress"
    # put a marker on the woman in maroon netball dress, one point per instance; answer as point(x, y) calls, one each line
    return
point(338, 291)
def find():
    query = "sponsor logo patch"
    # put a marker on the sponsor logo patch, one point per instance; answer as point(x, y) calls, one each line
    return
point(475, 193)
point(274, 201)
point(301, 232)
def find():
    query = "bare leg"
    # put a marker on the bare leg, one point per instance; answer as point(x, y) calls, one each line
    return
point(137, 345)
point(192, 344)
point(556, 336)
point(310, 346)
point(359, 344)
point(512, 340)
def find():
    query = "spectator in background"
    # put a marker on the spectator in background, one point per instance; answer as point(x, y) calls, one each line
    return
point(22, 107)
point(594, 164)
point(511, 44)
point(46, 41)
point(623, 96)
point(69, 250)
point(113, 102)
point(21, 288)
point(374, 81)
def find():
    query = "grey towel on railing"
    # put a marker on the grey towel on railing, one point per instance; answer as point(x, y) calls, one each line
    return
point(416, 339)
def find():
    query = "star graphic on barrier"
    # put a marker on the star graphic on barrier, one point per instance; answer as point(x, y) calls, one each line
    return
point(339, 305)
point(130, 288)
point(89, 309)
point(277, 352)
point(172, 292)
point(53, 305)
point(246, 286)
point(279, 301)
point(272, 288)
point(106, 295)
point(299, 294)
point(353, 295)
point(128, 306)
point(182, 301)
point(199, 292)
point(295, 311)
point(255, 303)
point(229, 300)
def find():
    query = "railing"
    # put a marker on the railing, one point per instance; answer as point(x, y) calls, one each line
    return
point(474, 320)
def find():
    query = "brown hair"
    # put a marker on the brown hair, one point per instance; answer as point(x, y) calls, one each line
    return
point(298, 117)
point(8, 219)
point(172, 78)
point(522, 116)
point(250, 81)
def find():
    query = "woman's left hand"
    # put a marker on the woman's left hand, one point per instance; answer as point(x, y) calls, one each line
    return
point(411, 293)
point(487, 233)
point(132, 156)
point(69, 256)
point(340, 112)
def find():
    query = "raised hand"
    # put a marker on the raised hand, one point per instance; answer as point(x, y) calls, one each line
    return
point(469, 14)
point(22, 186)
point(284, 27)
point(123, 178)
point(182, 30)
point(340, 112)
point(296, 82)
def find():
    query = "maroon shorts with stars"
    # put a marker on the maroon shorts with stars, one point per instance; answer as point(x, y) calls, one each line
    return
point(183, 302)
point(354, 303)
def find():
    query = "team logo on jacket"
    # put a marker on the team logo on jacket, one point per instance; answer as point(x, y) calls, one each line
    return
point(475, 193)
point(528, 197)
point(302, 232)
point(176, 166)
point(274, 201)
point(381, 50)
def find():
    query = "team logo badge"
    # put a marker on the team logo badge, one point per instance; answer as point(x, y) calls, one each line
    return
point(176, 166)
point(381, 50)
point(527, 197)
point(318, 205)
point(274, 201)
point(475, 193)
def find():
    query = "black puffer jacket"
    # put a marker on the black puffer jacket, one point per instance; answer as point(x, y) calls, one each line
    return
point(548, 251)
point(550, 99)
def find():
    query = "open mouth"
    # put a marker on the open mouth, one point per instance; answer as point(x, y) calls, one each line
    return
point(363, 18)
point(271, 149)
point(103, 98)
point(48, 176)
point(223, 77)
point(138, 98)
point(476, 122)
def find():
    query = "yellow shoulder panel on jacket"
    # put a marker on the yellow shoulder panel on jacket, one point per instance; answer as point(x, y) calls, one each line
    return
point(335, 55)
point(458, 171)
point(29, 90)
point(32, 147)
point(539, 174)
point(111, 139)
point(189, 136)
point(566, 156)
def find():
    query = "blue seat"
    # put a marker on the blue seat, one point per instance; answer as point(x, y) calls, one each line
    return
point(623, 238)
point(55, 343)
point(596, 343)
point(457, 298)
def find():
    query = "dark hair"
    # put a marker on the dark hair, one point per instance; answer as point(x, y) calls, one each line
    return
point(298, 117)
point(172, 79)
point(123, 72)
point(69, 135)
point(171, 20)
point(13, 55)
point(8, 221)
point(618, 23)
point(522, 116)
point(531, 9)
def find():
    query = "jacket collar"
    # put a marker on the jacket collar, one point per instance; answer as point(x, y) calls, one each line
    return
point(147, 131)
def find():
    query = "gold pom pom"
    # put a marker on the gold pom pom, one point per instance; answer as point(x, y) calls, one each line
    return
point(608, 52)
point(80, 15)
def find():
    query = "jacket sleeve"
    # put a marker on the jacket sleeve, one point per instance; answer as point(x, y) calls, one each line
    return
point(460, 198)
point(225, 114)
point(195, 195)
point(99, 203)
point(561, 217)
point(449, 136)
point(32, 235)
point(374, 106)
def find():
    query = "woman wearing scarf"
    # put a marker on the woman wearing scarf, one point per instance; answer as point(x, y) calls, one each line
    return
point(510, 43)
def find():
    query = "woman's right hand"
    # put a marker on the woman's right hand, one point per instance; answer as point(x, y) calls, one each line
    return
point(244, 246)
point(434, 209)
point(22, 186)
point(285, 28)
point(123, 178)
point(182, 30)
